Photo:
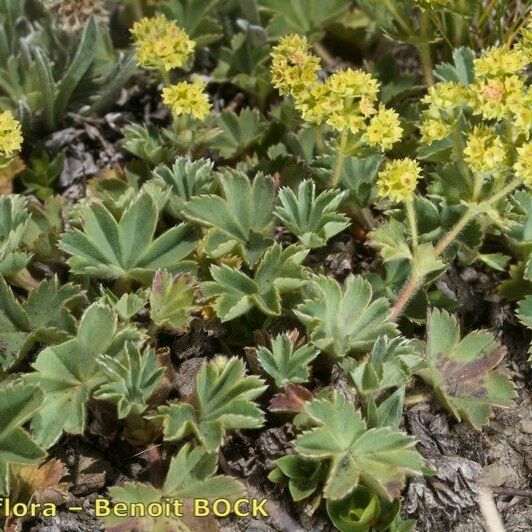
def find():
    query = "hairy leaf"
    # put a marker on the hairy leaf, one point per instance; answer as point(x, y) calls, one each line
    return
point(380, 458)
point(241, 221)
point(131, 379)
point(239, 132)
point(344, 319)
point(463, 371)
point(68, 373)
point(191, 475)
point(312, 219)
point(18, 403)
point(235, 293)
point(127, 248)
point(43, 318)
point(222, 401)
point(186, 179)
point(173, 300)
point(14, 219)
point(391, 363)
point(286, 362)
point(302, 16)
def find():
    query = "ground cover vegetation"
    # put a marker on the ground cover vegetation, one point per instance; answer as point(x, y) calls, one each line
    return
point(281, 248)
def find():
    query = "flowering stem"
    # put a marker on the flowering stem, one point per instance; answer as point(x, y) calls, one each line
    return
point(340, 158)
point(392, 8)
point(166, 77)
point(320, 144)
point(409, 204)
point(415, 281)
point(424, 48)
point(446, 241)
point(136, 6)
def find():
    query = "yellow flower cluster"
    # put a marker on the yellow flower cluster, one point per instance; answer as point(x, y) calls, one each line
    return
point(293, 66)
point(499, 61)
point(10, 135)
point(445, 97)
point(433, 129)
point(160, 43)
point(484, 151)
point(398, 180)
point(441, 101)
point(498, 98)
point(345, 100)
point(187, 99)
point(523, 165)
point(500, 92)
point(384, 129)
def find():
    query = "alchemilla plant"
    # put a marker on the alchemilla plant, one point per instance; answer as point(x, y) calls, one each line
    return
point(227, 224)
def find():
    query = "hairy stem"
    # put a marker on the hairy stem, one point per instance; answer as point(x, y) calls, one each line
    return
point(416, 281)
point(392, 9)
point(411, 213)
point(340, 159)
point(424, 48)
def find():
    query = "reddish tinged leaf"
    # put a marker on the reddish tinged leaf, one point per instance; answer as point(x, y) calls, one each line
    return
point(463, 371)
point(292, 399)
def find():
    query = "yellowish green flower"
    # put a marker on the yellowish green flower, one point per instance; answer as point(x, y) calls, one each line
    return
point(293, 68)
point(522, 122)
point(445, 97)
point(160, 43)
point(499, 61)
point(353, 83)
point(314, 104)
point(484, 151)
point(384, 129)
point(187, 99)
point(350, 99)
point(497, 98)
point(525, 44)
point(433, 129)
point(523, 165)
point(10, 135)
point(398, 180)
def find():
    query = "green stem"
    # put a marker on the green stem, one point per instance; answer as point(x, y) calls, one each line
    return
point(320, 142)
point(504, 192)
point(416, 281)
point(136, 6)
point(446, 241)
point(478, 187)
point(166, 77)
point(340, 159)
point(409, 204)
point(392, 8)
point(424, 48)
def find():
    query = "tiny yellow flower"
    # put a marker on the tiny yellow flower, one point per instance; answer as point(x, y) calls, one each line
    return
point(10, 135)
point(293, 67)
point(160, 43)
point(398, 180)
point(484, 151)
point(499, 61)
point(432, 129)
point(187, 99)
point(446, 96)
point(495, 98)
point(384, 129)
point(353, 83)
point(313, 103)
point(523, 166)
